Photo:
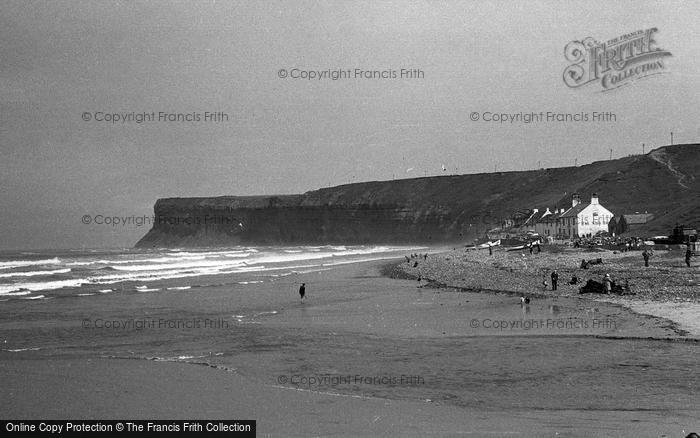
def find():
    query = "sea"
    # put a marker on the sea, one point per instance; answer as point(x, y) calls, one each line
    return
point(50, 274)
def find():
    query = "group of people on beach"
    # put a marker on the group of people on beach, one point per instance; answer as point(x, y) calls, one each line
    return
point(416, 257)
point(554, 276)
point(648, 253)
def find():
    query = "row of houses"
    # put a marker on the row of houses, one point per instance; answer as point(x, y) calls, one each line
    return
point(579, 220)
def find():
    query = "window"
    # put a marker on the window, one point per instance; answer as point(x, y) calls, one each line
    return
point(596, 219)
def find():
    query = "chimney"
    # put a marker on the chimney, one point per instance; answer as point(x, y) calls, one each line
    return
point(594, 199)
point(575, 200)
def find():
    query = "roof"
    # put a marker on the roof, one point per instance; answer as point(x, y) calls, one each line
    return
point(544, 215)
point(547, 217)
point(574, 211)
point(638, 218)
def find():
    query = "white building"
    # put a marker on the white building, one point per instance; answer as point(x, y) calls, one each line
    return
point(583, 220)
point(580, 220)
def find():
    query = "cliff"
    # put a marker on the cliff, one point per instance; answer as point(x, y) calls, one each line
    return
point(434, 209)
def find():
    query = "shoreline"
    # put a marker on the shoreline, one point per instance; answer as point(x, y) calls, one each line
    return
point(671, 296)
point(687, 319)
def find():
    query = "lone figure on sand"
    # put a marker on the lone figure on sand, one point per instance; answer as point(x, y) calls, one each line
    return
point(607, 283)
point(555, 278)
point(645, 254)
point(688, 255)
point(302, 291)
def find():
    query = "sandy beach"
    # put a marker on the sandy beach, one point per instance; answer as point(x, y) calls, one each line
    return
point(365, 355)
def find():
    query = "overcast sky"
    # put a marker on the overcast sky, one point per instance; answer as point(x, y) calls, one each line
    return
point(59, 60)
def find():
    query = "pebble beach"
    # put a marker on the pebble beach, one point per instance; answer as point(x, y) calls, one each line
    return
point(667, 288)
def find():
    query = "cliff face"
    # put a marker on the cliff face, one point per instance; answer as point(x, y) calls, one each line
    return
point(434, 209)
point(182, 225)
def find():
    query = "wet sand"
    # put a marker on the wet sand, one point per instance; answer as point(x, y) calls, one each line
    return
point(503, 374)
point(132, 389)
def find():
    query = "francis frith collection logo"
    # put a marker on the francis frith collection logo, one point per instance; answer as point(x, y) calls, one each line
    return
point(616, 62)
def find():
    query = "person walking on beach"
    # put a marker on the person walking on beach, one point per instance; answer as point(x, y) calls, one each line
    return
point(645, 254)
point(688, 255)
point(555, 278)
point(302, 291)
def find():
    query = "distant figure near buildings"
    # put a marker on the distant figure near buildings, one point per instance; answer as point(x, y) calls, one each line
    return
point(688, 255)
point(302, 291)
point(555, 278)
point(645, 254)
